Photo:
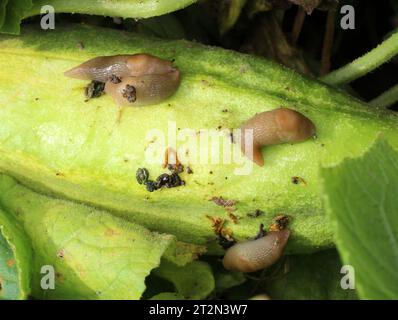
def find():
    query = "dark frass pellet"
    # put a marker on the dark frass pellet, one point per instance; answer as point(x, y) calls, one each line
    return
point(174, 180)
point(162, 180)
point(224, 242)
point(142, 175)
point(169, 180)
point(150, 185)
point(94, 89)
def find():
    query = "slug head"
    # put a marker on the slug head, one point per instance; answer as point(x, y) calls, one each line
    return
point(273, 127)
point(293, 126)
point(143, 64)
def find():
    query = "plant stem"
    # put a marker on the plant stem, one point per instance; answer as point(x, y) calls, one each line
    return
point(387, 98)
point(328, 42)
point(298, 24)
point(368, 62)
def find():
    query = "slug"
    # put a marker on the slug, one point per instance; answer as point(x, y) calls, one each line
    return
point(103, 68)
point(274, 127)
point(254, 255)
point(143, 90)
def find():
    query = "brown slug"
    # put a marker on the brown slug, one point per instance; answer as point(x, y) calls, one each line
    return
point(274, 127)
point(143, 90)
point(103, 68)
point(254, 255)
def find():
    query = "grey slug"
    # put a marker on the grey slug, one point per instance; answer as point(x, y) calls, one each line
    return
point(254, 255)
point(134, 80)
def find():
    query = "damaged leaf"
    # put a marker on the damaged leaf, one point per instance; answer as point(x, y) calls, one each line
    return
point(80, 151)
point(94, 255)
point(194, 281)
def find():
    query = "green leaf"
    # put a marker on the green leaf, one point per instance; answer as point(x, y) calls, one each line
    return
point(56, 143)
point(167, 296)
point(95, 255)
point(166, 27)
point(181, 253)
point(3, 8)
point(15, 259)
point(193, 281)
point(11, 14)
point(229, 12)
point(361, 198)
point(310, 277)
point(113, 8)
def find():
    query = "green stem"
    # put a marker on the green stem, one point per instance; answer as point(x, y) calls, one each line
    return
point(387, 98)
point(368, 62)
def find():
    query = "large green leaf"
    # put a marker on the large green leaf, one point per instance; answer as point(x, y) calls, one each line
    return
point(361, 197)
point(13, 11)
point(95, 255)
point(11, 14)
point(54, 141)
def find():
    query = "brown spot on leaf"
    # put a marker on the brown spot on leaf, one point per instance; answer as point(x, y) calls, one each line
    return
point(298, 180)
point(10, 262)
point(61, 253)
point(217, 223)
point(233, 217)
point(223, 202)
point(280, 222)
point(111, 232)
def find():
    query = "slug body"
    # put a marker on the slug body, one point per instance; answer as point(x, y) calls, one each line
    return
point(254, 255)
point(103, 68)
point(132, 80)
point(143, 90)
point(274, 127)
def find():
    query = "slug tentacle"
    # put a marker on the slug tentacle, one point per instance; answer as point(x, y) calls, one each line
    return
point(102, 68)
point(254, 255)
point(274, 127)
point(143, 90)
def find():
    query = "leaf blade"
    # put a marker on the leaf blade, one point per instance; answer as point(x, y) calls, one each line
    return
point(360, 199)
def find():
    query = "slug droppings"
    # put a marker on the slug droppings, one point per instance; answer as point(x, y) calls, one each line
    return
point(94, 89)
